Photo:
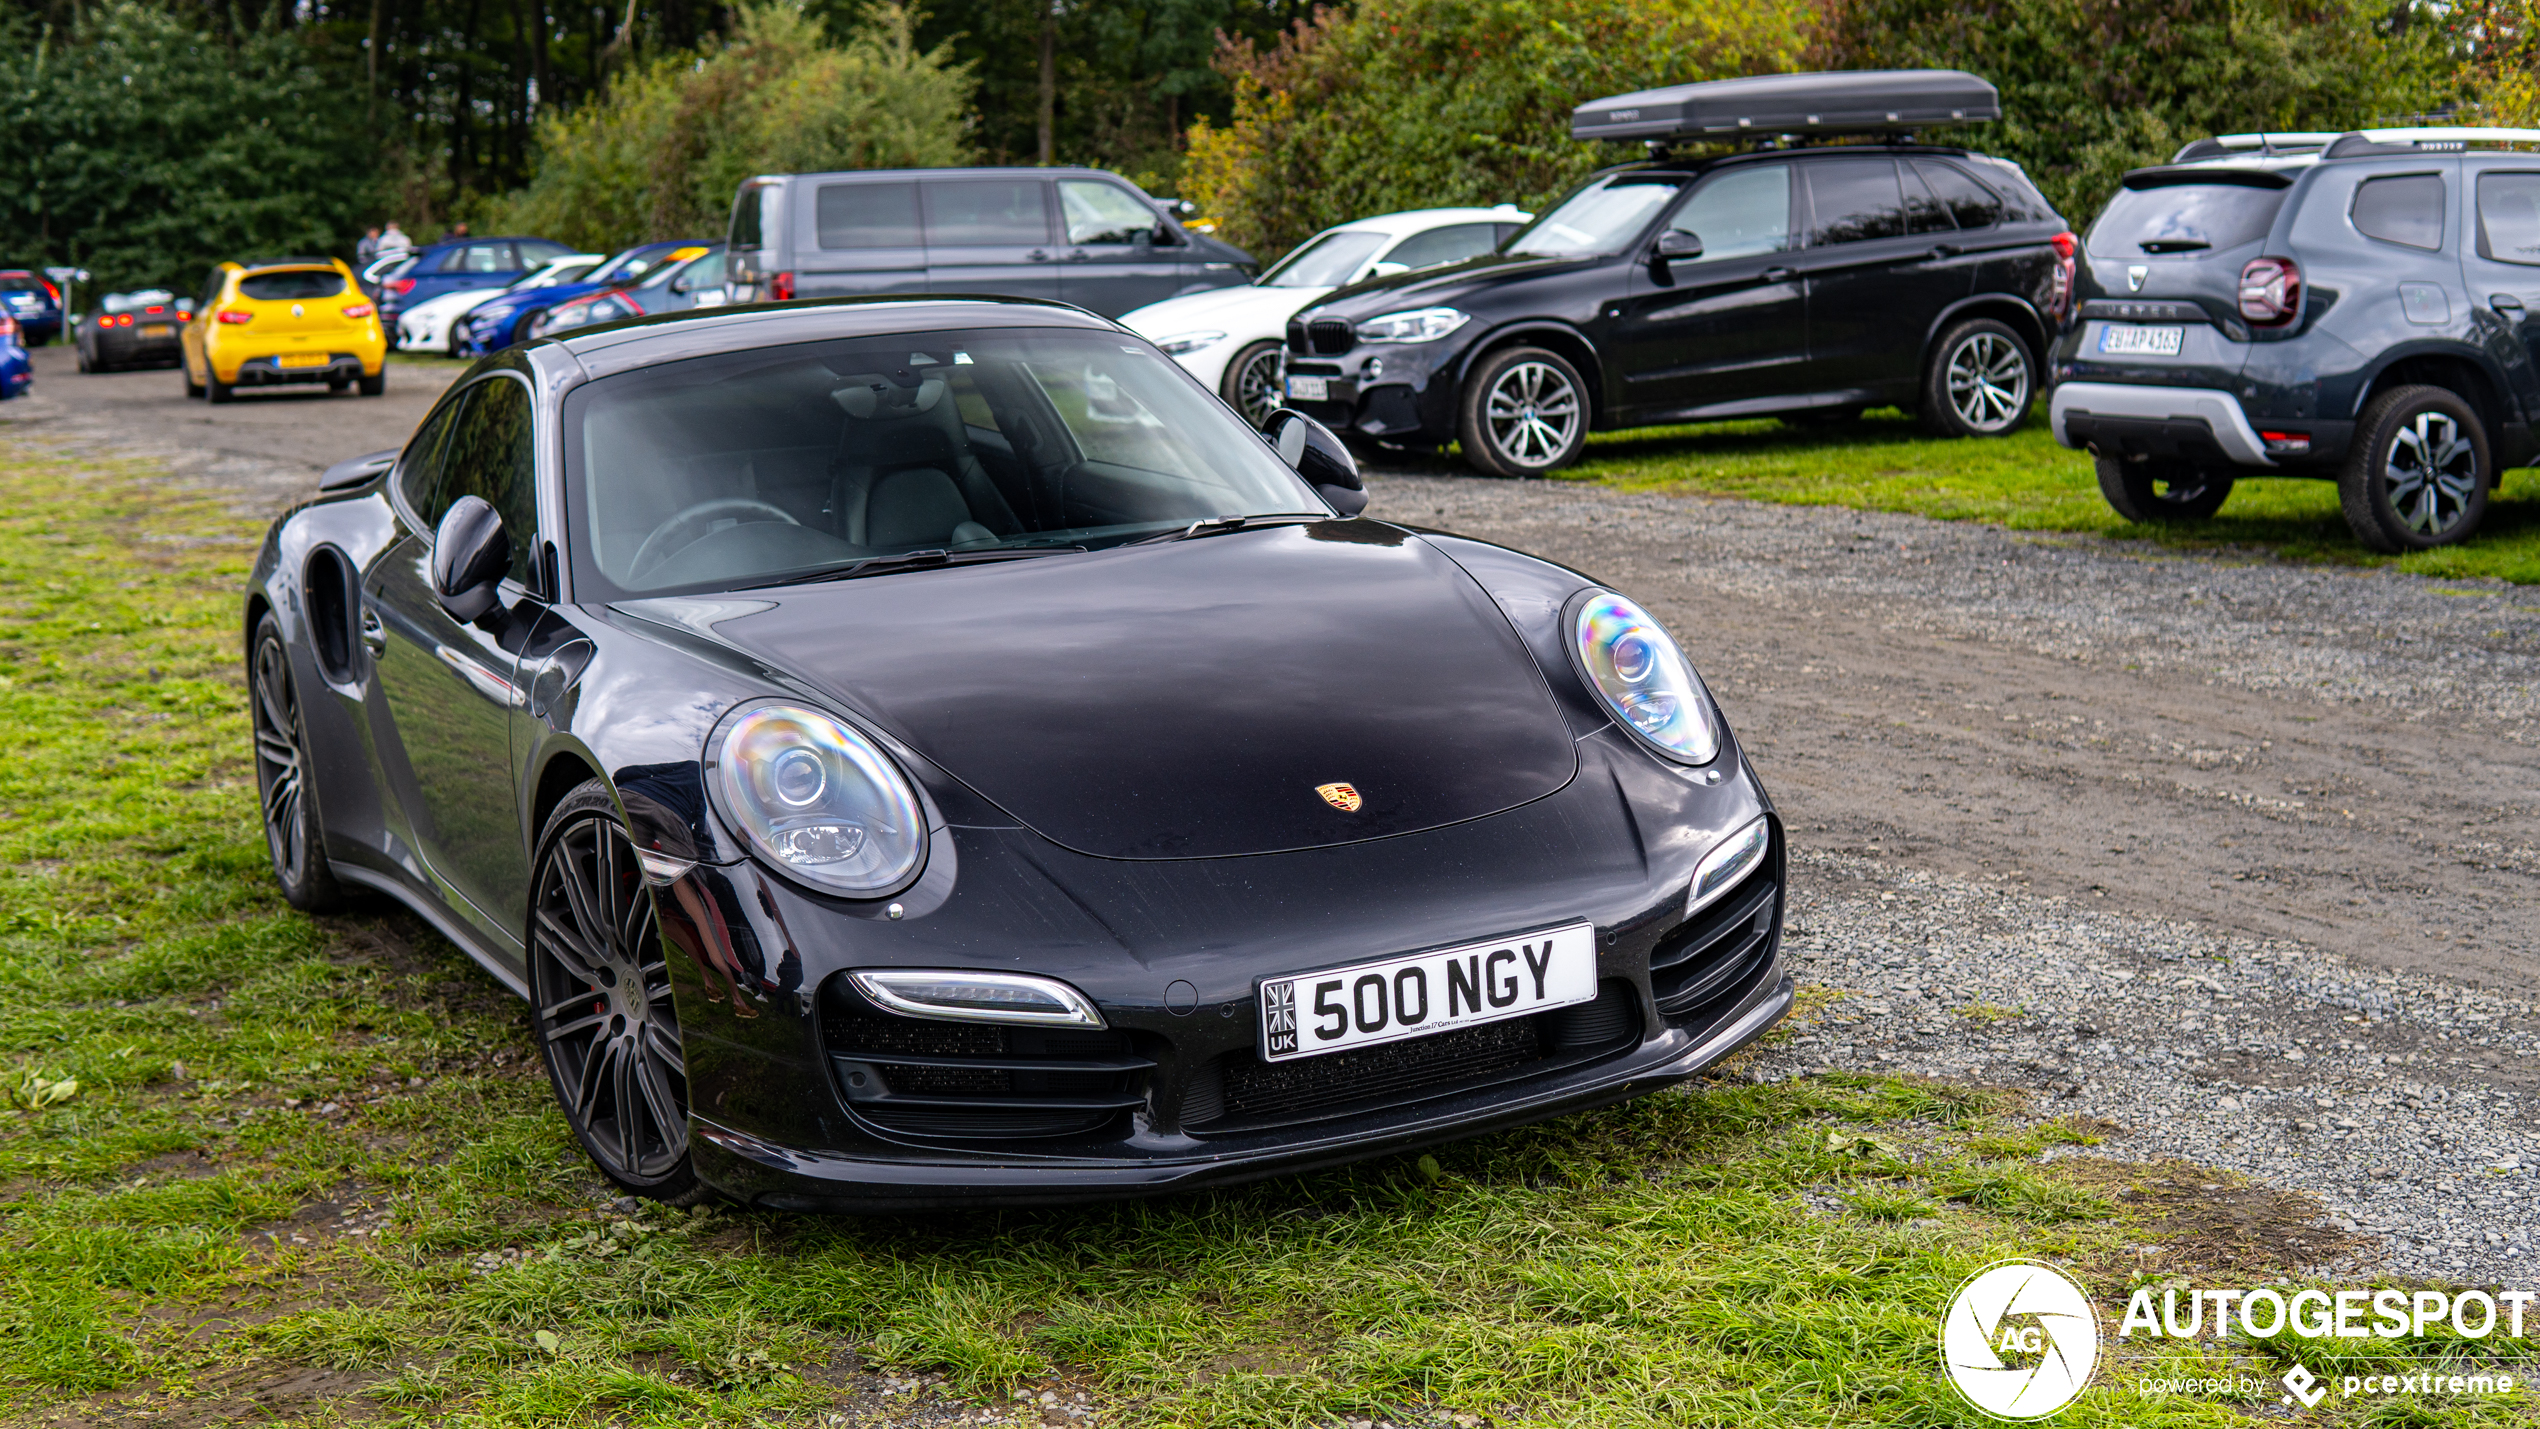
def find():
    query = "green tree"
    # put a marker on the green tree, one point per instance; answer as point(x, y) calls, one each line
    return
point(2092, 88)
point(1400, 104)
point(661, 153)
point(147, 150)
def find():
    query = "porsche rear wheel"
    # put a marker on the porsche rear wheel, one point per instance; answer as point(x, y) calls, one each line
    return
point(293, 836)
point(600, 1005)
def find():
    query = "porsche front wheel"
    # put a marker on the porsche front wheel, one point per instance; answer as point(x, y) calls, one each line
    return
point(600, 1005)
point(293, 836)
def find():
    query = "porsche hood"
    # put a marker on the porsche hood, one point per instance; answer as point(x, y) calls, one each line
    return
point(1286, 688)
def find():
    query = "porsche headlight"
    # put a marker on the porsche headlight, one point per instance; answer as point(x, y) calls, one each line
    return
point(1644, 678)
point(1186, 342)
point(817, 799)
point(1425, 325)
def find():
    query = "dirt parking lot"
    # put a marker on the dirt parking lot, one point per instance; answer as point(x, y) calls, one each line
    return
point(2242, 856)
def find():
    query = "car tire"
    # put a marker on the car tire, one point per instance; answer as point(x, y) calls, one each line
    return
point(2418, 474)
point(217, 391)
point(1251, 383)
point(193, 389)
point(612, 1054)
point(295, 839)
point(2161, 491)
point(1981, 381)
point(374, 386)
point(528, 325)
point(1524, 412)
point(84, 364)
point(450, 348)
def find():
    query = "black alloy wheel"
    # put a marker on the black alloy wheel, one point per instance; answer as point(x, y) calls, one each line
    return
point(2418, 474)
point(1525, 413)
point(1980, 382)
point(2160, 490)
point(293, 836)
point(1251, 384)
point(600, 1003)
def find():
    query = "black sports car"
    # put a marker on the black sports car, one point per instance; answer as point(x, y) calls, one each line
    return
point(917, 752)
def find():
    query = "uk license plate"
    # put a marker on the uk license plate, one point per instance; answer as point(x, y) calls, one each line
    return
point(1310, 389)
point(302, 359)
point(156, 330)
point(2127, 338)
point(1400, 998)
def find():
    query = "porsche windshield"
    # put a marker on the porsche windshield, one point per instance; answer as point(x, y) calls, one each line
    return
point(751, 467)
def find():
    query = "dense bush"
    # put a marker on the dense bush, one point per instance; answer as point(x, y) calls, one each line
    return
point(661, 153)
point(147, 151)
point(1400, 104)
point(2091, 88)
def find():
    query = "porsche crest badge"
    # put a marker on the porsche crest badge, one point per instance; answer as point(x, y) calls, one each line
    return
point(1343, 797)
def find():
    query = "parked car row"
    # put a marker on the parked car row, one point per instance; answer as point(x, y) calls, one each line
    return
point(433, 325)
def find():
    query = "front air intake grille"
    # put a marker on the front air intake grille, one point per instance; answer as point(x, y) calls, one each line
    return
point(1711, 953)
point(1323, 337)
point(953, 1079)
point(1241, 1092)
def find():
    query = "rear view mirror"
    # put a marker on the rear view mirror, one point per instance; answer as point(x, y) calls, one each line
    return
point(1310, 448)
point(470, 557)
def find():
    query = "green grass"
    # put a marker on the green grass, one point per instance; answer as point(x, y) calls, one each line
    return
point(243, 1150)
point(1884, 462)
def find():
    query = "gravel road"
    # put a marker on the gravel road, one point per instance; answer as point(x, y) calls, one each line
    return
point(2240, 856)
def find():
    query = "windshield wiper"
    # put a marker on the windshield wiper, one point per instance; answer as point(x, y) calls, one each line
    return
point(1219, 525)
point(912, 561)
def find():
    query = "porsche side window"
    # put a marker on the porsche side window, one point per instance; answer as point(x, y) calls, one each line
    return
point(490, 455)
point(420, 476)
point(1739, 214)
point(2406, 209)
point(1857, 200)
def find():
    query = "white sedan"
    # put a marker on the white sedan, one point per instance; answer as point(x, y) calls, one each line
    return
point(1229, 337)
point(426, 327)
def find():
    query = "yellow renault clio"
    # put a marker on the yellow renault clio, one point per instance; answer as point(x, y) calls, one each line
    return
point(278, 320)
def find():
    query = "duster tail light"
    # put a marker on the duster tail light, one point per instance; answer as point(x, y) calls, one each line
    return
point(780, 287)
point(2270, 291)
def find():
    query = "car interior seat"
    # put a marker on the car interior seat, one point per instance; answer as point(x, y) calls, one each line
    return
point(904, 475)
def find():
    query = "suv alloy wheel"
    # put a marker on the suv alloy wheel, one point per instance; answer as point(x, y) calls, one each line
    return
point(1980, 382)
point(2418, 474)
point(1525, 412)
point(2160, 490)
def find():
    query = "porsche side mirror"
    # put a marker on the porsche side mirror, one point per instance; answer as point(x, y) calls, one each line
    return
point(1310, 448)
point(345, 475)
point(470, 557)
point(1673, 244)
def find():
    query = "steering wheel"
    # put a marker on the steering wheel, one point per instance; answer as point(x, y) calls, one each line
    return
point(688, 527)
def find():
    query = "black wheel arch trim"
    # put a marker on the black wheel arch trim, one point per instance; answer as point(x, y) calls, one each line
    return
point(2495, 403)
point(2037, 333)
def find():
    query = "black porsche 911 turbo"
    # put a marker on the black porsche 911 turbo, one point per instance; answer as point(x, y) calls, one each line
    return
point(923, 752)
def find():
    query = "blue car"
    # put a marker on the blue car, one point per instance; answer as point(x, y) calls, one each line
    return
point(17, 372)
point(517, 317)
point(457, 263)
point(31, 299)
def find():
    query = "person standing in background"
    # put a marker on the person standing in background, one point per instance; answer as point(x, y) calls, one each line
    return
point(367, 249)
point(394, 240)
point(457, 230)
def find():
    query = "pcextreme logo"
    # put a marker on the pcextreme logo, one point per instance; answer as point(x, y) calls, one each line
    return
point(2019, 1340)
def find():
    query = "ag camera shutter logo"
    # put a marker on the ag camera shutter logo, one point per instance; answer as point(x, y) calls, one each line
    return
point(2019, 1340)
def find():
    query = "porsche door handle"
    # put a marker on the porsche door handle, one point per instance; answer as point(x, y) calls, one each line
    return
point(374, 634)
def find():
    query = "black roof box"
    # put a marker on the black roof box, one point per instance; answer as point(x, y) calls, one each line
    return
point(1827, 102)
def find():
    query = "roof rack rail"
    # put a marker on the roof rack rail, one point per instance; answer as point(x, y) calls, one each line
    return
point(1767, 106)
point(2427, 139)
point(2266, 145)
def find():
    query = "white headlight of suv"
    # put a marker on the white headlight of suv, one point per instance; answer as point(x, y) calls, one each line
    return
point(1645, 679)
point(1182, 342)
point(817, 799)
point(1424, 325)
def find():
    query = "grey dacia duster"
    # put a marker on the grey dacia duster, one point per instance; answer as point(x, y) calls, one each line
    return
point(2356, 307)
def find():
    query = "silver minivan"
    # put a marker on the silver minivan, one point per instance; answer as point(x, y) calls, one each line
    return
point(1079, 236)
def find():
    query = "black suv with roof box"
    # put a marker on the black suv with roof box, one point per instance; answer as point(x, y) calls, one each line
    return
point(2352, 307)
point(1796, 279)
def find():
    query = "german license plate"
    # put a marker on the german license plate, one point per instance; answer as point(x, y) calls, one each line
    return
point(1310, 389)
point(302, 359)
point(1400, 998)
point(156, 330)
point(2125, 338)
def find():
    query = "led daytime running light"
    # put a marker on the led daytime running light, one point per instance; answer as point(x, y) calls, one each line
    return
point(978, 997)
point(1722, 867)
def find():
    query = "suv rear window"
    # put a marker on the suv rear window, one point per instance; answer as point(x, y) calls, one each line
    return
point(2184, 218)
point(291, 284)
